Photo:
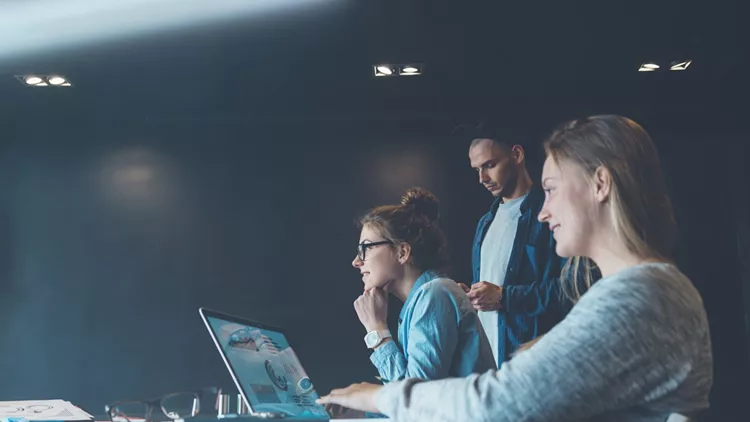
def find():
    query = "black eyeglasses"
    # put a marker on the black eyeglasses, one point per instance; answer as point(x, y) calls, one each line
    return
point(180, 405)
point(362, 247)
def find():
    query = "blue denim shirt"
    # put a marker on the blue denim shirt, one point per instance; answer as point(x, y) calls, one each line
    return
point(439, 335)
point(532, 298)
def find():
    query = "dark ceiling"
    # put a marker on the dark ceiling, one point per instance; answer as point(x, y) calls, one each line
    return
point(520, 58)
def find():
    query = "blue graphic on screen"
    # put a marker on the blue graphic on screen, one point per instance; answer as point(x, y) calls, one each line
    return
point(268, 370)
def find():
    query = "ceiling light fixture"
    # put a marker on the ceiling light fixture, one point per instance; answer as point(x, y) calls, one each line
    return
point(398, 69)
point(410, 69)
point(34, 80)
point(648, 67)
point(56, 80)
point(383, 70)
point(676, 66)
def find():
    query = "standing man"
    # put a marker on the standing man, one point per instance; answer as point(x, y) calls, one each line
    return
point(516, 286)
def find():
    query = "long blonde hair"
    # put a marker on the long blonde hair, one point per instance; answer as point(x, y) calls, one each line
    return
point(640, 208)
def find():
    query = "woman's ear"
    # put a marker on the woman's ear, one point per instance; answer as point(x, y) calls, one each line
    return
point(404, 253)
point(602, 184)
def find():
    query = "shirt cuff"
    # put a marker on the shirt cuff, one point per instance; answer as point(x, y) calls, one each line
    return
point(381, 355)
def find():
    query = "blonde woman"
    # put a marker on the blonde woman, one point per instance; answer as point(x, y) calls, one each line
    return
point(636, 346)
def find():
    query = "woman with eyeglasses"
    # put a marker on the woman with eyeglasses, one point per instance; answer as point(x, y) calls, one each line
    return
point(635, 347)
point(401, 252)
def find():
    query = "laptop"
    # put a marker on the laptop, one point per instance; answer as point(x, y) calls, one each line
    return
point(264, 367)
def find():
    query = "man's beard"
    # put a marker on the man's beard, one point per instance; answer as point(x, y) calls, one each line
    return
point(509, 186)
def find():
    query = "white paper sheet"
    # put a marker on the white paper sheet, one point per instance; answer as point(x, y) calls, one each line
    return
point(42, 410)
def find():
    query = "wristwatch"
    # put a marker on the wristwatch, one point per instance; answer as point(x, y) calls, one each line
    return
point(373, 338)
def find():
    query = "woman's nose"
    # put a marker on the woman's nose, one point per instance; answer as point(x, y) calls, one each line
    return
point(543, 214)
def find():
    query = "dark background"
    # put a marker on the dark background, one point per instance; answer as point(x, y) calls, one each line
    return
point(224, 167)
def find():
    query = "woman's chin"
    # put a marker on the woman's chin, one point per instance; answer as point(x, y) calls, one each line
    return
point(369, 286)
point(562, 250)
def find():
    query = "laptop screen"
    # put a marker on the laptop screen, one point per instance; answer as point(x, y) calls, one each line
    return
point(266, 368)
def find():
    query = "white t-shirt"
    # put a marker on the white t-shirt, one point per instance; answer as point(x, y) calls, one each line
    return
point(496, 248)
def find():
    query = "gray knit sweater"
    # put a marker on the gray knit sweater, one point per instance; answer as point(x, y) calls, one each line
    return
point(636, 347)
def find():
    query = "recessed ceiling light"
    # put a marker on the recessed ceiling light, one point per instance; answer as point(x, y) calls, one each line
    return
point(410, 69)
point(398, 69)
point(383, 70)
point(680, 65)
point(648, 67)
point(56, 80)
point(33, 80)
point(43, 80)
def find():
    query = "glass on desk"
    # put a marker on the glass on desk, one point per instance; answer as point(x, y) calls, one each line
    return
point(179, 405)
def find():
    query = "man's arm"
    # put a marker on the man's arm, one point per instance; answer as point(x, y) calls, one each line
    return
point(535, 299)
point(540, 297)
point(545, 294)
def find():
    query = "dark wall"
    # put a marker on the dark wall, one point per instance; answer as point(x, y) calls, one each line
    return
point(706, 194)
point(114, 235)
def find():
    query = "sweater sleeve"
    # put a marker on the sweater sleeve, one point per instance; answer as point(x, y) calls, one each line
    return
point(618, 346)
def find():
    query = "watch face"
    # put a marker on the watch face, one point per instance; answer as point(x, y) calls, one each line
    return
point(371, 339)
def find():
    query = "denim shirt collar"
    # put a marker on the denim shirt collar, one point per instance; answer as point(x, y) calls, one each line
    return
point(426, 276)
point(533, 198)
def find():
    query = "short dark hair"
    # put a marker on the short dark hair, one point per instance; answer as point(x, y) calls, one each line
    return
point(503, 138)
point(502, 144)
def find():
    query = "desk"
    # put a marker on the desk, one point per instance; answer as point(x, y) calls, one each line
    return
point(248, 418)
point(251, 419)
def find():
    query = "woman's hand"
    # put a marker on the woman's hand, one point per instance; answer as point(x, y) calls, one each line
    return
point(356, 396)
point(372, 309)
point(340, 412)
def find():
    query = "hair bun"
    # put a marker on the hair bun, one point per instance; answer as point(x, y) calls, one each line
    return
point(423, 201)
